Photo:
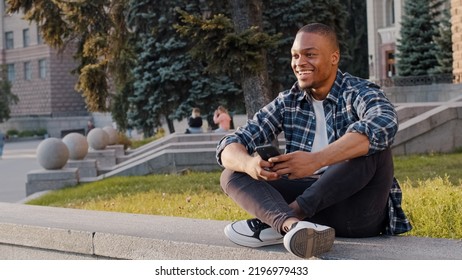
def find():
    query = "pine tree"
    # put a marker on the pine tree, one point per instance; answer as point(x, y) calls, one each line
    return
point(167, 81)
point(149, 73)
point(417, 50)
point(444, 45)
point(354, 53)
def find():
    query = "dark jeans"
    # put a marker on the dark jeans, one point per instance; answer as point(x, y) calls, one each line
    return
point(350, 196)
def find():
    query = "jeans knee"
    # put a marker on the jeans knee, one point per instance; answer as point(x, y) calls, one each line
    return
point(226, 177)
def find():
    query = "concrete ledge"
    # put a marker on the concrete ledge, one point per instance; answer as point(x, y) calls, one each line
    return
point(37, 232)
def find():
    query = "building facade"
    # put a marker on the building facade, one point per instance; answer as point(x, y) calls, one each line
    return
point(456, 28)
point(40, 77)
point(383, 29)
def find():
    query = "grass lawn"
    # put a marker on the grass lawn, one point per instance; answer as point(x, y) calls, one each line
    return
point(432, 195)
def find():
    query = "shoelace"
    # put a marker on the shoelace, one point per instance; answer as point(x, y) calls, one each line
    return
point(257, 225)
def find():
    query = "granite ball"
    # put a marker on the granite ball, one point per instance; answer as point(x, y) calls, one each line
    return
point(77, 145)
point(52, 154)
point(97, 139)
point(112, 133)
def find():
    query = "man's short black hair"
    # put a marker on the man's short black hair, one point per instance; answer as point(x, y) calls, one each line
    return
point(323, 30)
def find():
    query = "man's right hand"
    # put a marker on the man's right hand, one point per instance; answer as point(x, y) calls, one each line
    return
point(260, 169)
point(235, 157)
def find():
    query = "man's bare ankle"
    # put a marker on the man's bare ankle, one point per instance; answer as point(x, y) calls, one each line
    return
point(287, 224)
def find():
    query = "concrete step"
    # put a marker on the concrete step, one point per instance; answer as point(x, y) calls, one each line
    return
point(38, 232)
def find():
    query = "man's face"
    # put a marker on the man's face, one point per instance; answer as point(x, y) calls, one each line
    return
point(314, 62)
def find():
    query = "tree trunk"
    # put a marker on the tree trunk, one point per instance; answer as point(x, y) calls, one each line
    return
point(248, 13)
point(171, 127)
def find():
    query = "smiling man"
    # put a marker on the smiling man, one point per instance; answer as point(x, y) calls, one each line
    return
point(336, 176)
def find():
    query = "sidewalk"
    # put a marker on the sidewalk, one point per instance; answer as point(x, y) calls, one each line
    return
point(18, 159)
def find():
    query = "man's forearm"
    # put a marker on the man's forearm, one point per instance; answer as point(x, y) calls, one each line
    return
point(350, 145)
point(234, 157)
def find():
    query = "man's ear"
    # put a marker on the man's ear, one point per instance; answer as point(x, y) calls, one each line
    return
point(335, 57)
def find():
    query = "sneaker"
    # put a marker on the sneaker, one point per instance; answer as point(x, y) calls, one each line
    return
point(252, 233)
point(306, 239)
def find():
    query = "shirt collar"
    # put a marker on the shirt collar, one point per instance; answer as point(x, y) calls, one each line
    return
point(333, 94)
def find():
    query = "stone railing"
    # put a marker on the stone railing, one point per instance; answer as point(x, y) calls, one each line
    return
point(417, 80)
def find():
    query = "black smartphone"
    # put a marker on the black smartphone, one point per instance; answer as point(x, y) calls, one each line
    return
point(267, 151)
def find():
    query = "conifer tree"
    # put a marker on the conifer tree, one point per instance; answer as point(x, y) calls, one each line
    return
point(354, 59)
point(167, 81)
point(444, 45)
point(417, 50)
point(222, 48)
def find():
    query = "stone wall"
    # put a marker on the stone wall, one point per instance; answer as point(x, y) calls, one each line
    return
point(423, 93)
point(54, 126)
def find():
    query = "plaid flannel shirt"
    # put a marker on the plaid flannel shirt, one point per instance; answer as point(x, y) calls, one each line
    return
point(352, 105)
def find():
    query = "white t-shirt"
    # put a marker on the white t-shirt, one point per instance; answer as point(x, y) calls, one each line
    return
point(320, 138)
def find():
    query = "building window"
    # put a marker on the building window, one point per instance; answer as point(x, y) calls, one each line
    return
point(9, 40)
point(27, 71)
point(39, 36)
point(25, 37)
point(390, 10)
point(42, 68)
point(391, 70)
point(11, 72)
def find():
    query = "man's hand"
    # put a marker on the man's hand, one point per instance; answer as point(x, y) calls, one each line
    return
point(302, 164)
point(260, 169)
point(296, 165)
point(235, 157)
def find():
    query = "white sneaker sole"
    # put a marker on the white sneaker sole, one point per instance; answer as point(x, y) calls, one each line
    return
point(308, 242)
point(243, 240)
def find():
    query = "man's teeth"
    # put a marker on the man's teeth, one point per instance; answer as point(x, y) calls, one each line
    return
point(304, 72)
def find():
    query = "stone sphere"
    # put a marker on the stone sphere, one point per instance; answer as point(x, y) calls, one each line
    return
point(77, 145)
point(112, 133)
point(52, 153)
point(97, 139)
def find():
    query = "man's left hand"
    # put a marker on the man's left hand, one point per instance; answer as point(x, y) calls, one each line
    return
point(296, 164)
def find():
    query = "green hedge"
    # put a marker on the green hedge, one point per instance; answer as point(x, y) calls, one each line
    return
point(27, 133)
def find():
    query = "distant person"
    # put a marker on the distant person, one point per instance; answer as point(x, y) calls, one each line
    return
point(222, 119)
point(2, 143)
point(90, 126)
point(195, 122)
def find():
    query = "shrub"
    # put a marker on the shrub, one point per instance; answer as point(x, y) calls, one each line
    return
point(26, 133)
point(122, 139)
point(433, 207)
point(12, 132)
point(40, 132)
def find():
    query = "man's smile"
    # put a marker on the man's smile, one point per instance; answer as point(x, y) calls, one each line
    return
point(304, 72)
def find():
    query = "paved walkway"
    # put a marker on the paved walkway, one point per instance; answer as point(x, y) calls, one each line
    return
point(18, 159)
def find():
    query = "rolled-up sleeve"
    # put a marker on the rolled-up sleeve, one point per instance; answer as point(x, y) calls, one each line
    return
point(262, 129)
point(377, 119)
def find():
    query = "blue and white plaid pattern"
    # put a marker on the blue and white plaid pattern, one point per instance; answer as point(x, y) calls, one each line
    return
point(353, 105)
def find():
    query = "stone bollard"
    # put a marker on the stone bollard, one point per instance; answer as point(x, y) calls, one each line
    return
point(78, 150)
point(112, 134)
point(98, 139)
point(52, 155)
